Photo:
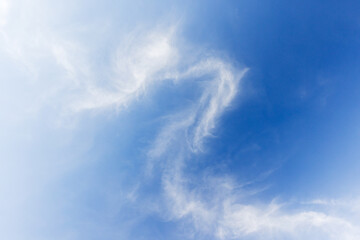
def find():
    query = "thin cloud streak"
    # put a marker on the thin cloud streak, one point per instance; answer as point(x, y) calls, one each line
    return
point(138, 64)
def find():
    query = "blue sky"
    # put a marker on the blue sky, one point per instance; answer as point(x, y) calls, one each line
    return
point(182, 120)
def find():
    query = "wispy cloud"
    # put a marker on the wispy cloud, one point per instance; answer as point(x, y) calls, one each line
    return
point(221, 210)
point(59, 70)
point(141, 60)
point(226, 214)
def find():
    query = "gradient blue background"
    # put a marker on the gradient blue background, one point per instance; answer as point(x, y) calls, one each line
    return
point(293, 131)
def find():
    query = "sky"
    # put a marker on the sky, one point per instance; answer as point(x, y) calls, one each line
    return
point(167, 120)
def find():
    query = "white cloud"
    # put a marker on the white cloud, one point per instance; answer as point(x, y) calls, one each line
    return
point(141, 60)
point(240, 220)
point(198, 120)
